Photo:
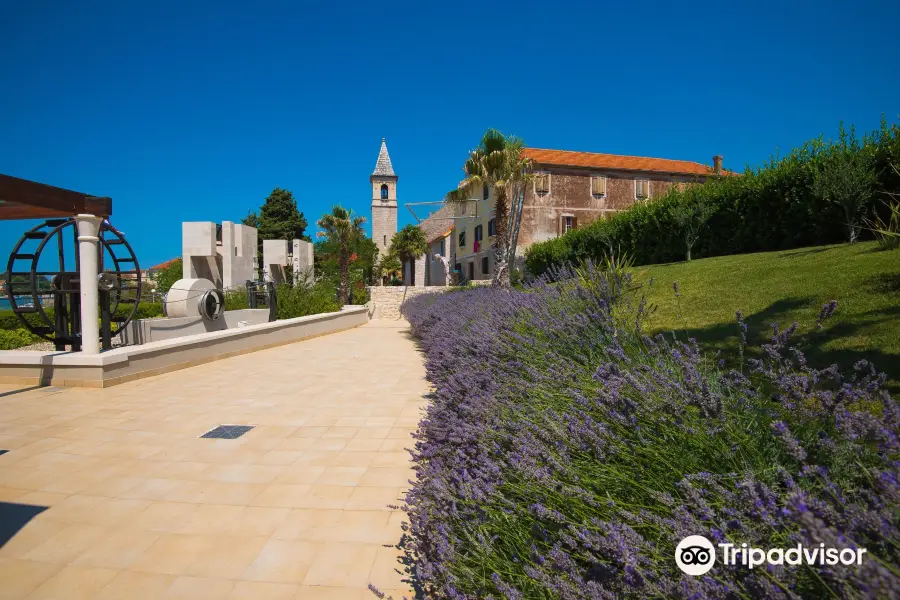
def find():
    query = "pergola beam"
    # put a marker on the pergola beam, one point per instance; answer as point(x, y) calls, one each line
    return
point(23, 199)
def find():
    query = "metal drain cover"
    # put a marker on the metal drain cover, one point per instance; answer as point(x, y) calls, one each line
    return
point(227, 432)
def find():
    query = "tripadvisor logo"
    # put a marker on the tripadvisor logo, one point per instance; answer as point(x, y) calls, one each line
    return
point(696, 555)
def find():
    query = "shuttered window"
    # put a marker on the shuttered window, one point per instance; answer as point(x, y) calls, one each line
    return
point(542, 183)
point(598, 185)
point(567, 223)
point(641, 188)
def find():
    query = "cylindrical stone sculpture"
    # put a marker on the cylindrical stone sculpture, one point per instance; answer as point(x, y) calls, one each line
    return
point(194, 298)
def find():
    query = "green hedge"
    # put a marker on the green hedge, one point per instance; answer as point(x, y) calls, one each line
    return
point(9, 321)
point(770, 208)
point(12, 339)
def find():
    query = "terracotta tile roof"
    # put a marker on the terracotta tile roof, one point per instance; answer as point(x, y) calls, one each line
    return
point(567, 158)
point(164, 264)
point(439, 224)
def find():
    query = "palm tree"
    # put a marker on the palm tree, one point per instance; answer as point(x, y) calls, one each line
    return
point(388, 265)
point(409, 243)
point(341, 227)
point(497, 162)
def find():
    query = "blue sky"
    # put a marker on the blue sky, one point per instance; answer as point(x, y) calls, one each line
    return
point(196, 113)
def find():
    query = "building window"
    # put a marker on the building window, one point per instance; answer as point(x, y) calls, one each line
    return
point(567, 223)
point(478, 235)
point(385, 240)
point(598, 185)
point(641, 189)
point(443, 248)
point(485, 192)
point(492, 231)
point(485, 265)
point(384, 191)
point(542, 183)
point(462, 239)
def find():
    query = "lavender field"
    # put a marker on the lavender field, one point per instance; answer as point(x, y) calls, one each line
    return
point(565, 454)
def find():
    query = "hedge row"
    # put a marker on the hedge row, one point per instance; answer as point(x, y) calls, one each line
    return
point(773, 207)
point(9, 321)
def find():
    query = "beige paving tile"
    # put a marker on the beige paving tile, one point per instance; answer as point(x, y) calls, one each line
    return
point(229, 558)
point(263, 590)
point(359, 444)
point(18, 578)
point(173, 553)
point(68, 544)
point(347, 476)
point(288, 495)
point(344, 565)
point(130, 484)
point(386, 476)
point(360, 526)
point(326, 496)
point(307, 524)
point(282, 561)
point(373, 498)
point(387, 570)
point(198, 588)
point(74, 583)
point(301, 474)
point(318, 592)
point(32, 535)
point(391, 459)
point(209, 519)
point(164, 516)
point(119, 550)
point(243, 473)
point(134, 585)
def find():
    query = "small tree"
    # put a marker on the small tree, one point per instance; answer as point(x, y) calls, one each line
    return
point(279, 218)
point(388, 265)
point(168, 273)
point(690, 217)
point(342, 228)
point(410, 244)
point(844, 176)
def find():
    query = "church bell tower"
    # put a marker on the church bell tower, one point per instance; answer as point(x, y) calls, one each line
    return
point(384, 201)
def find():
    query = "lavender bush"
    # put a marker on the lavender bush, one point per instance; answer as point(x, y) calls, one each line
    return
point(565, 454)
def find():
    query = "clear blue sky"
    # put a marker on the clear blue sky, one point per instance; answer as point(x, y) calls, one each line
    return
point(196, 113)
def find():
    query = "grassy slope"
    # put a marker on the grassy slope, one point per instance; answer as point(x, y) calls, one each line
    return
point(784, 287)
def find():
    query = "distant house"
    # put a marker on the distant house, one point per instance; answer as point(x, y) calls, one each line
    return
point(570, 190)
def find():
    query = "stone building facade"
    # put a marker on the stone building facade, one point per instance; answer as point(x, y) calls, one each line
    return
point(570, 190)
point(384, 201)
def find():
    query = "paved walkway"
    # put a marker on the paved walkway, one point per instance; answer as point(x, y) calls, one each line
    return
point(141, 507)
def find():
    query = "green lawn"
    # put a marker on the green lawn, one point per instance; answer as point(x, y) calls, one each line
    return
point(786, 287)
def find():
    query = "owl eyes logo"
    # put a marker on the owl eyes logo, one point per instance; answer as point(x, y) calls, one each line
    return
point(695, 555)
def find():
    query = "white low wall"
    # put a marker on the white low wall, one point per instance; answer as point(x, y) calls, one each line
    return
point(128, 363)
point(144, 331)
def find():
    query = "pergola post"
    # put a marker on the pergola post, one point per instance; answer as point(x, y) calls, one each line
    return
point(88, 240)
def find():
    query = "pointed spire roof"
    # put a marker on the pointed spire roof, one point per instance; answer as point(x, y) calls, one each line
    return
point(383, 164)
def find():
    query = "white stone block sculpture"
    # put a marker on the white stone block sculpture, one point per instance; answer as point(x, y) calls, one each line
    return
point(228, 262)
point(303, 259)
point(275, 259)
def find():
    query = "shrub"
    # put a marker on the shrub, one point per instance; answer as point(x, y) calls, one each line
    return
point(300, 301)
point(11, 339)
point(564, 454)
point(360, 295)
point(237, 299)
point(786, 203)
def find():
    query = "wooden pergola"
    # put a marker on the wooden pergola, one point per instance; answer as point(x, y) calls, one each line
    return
point(23, 199)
